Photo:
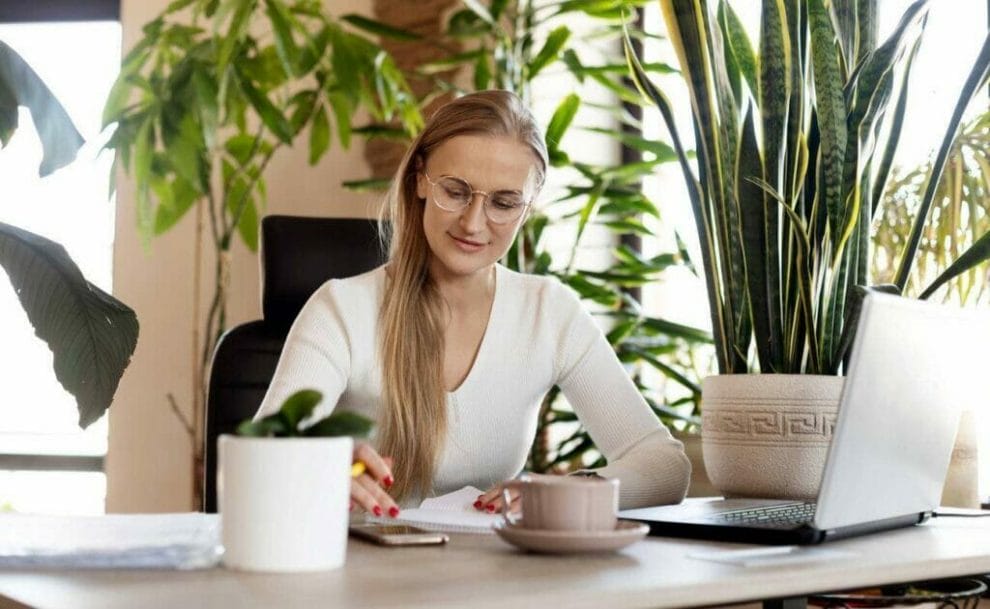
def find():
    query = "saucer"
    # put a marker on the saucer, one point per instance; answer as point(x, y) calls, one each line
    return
point(569, 542)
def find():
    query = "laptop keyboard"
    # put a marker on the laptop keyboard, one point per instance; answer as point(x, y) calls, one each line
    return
point(790, 514)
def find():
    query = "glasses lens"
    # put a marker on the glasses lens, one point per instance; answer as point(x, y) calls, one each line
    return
point(505, 206)
point(452, 194)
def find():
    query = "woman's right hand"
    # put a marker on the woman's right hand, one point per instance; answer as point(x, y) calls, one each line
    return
point(368, 489)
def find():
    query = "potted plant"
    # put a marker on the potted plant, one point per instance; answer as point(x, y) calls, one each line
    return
point(513, 45)
point(284, 488)
point(91, 334)
point(795, 144)
point(205, 100)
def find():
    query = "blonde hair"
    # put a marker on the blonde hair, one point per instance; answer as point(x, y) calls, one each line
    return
point(414, 419)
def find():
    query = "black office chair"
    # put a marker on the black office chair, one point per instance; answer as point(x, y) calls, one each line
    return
point(297, 256)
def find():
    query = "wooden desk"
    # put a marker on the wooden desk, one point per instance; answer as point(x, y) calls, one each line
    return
point(484, 572)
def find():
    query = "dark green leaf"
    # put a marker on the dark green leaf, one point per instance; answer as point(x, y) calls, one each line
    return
point(341, 423)
point(91, 334)
point(298, 407)
point(269, 427)
point(380, 29)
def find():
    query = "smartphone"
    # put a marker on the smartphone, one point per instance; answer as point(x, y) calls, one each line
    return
point(397, 535)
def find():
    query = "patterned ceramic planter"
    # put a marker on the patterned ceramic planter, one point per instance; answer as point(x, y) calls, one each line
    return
point(767, 435)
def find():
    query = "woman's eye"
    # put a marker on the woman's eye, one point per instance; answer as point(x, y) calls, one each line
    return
point(506, 201)
point(456, 192)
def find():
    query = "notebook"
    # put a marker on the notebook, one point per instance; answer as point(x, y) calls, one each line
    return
point(914, 366)
point(450, 513)
point(112, 541)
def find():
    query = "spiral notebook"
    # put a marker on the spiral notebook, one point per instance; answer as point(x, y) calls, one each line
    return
point(450, 513)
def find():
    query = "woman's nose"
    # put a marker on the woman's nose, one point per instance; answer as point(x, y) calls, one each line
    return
point(473, 217)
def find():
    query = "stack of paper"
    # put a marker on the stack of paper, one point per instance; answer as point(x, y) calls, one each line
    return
point(114, 541)
point(453, 512)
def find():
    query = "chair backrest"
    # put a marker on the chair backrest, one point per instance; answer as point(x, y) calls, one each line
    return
point(298, 255)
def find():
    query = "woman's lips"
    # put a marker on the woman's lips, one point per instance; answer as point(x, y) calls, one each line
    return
point(467, 245)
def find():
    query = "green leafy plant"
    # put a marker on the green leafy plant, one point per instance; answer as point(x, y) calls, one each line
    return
point(297, 409)
point(960, 212)
point(91, 334)
point(507, 45)
point(796, 135)
point(204, 102)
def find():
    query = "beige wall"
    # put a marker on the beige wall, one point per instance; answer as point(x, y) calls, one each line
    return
point(149, 458)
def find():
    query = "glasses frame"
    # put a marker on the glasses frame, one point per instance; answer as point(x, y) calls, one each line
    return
point(486, 197)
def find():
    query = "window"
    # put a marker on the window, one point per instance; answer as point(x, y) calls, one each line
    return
point(47, 464)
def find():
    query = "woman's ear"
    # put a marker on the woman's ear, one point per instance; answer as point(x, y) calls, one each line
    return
point(422, 186)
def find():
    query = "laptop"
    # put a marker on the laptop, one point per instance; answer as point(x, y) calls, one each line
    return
point(914, 367)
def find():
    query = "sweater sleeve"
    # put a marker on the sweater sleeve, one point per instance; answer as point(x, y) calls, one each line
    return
point(316, 355)
point(649, 463)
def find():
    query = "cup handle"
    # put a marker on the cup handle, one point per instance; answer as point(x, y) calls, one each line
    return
point(510, 518)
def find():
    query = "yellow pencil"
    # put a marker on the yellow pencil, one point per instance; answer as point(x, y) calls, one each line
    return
point(357, 469)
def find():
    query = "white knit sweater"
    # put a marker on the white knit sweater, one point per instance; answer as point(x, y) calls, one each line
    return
point(538, 336)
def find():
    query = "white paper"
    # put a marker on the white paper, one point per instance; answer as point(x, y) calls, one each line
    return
point(453, 512)
point(771, 556)
point(167, 541)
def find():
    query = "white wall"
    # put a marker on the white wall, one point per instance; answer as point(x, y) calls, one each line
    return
point(149, 456)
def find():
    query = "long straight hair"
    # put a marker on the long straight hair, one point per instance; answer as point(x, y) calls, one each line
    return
point(413, 424)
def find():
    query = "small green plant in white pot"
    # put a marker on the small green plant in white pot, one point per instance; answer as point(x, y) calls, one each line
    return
point(284, 488)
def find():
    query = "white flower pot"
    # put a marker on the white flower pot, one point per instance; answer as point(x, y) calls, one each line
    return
point(767, 435)
point(284, 502)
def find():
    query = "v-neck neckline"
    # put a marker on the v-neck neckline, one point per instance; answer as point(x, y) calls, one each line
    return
point(485, 337)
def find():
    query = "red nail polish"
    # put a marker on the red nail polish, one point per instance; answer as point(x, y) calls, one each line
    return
point(490, 508)
point(478, 504)
point(388, 481)
point(393, 511)
point(378, 510)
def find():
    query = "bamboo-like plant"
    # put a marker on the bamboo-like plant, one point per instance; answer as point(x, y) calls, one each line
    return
point(795, 140)
point(507, 44)
point(205, 100)
point(960, 212)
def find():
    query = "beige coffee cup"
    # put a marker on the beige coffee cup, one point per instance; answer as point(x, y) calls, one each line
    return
point(564, 503)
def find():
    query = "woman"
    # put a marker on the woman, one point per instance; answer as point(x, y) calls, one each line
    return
point(453, 353)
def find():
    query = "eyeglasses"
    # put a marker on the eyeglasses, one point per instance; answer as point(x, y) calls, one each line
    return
point(454, 195)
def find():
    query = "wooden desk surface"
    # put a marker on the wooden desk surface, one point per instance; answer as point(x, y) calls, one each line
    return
point(483, 571)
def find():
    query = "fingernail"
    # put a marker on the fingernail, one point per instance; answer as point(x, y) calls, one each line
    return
point(393, 511)
point(378, 510)
point(478, 504)
point(490, 508)
point(352, 507)
point(388, 481)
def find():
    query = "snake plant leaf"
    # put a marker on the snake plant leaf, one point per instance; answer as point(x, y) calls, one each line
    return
point(91, 334)
point(20, 85)
point(831, 117)
point(978, 253)
point(752, 212)
point(738, 41)
point(974, 83)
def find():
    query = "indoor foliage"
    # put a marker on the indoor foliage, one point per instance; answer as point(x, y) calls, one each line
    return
point(91, 334)
point(795, 136)
point(207, 97)
point(507, 44)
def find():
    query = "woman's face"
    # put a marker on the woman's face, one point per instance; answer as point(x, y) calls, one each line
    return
point(467, 242)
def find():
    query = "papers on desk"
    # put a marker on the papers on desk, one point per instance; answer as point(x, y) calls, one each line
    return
point(450, 513)
point(771, 556)
point(113, 541)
